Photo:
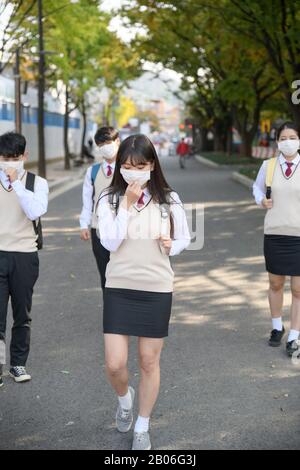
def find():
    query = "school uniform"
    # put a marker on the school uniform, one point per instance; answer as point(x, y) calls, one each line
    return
point(282, 221)
point(19, 262)
point(88, 216)
point(139, 275)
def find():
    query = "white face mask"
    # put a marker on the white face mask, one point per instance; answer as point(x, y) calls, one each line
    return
point(17, 165)
point(140, 177)
point(289, 147)
point(108, 151)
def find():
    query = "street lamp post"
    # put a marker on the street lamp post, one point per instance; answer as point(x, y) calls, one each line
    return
point(41, 91)
point(18, 106)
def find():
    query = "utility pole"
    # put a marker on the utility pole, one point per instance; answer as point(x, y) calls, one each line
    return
point(41, 92)
point(18, 105)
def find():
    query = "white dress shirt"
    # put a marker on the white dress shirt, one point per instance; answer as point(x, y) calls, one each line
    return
point(113, 228)
point(259, 186)
point(87, 194)
point(34, 204)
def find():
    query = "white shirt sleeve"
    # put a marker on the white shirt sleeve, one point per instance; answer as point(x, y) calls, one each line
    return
point(259, 186)
point(112, 227)
point(87, 201)
point(34, 204)
point(182, 236)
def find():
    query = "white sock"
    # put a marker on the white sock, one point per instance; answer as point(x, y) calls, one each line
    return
point(293, 335)
point(126, 401)
point(142, 424)
point(277, 323)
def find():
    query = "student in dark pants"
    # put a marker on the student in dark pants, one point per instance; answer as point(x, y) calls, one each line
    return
point(23, 199)
point(97, 178)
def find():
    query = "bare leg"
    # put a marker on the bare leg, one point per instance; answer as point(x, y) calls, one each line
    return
point(276, 289)
point(116, 357)
point(295, 309)
point(149, 358)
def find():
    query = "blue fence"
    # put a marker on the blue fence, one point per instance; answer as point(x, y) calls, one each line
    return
point(30, 116)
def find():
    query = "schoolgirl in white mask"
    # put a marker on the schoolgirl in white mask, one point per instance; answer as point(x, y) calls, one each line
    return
point(277, 189)
point(142, 223)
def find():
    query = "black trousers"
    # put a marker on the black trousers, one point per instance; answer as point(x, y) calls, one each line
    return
point(18, 275)
point(101, 254)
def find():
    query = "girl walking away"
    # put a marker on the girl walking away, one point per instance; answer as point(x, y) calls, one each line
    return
point(277, 189)
point(98, 177)
point(142, 223)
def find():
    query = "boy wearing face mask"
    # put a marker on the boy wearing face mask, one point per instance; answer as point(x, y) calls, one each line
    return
point(98, 177)
point(20, 208)
point(277, 189)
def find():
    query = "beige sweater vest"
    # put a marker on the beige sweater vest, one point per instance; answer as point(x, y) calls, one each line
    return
point(139, 262)
point(102, 181)
point(16, 230)
point(284, 217)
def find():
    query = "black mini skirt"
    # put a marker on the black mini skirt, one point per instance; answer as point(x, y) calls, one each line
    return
point(282, 254)
point(136, 313)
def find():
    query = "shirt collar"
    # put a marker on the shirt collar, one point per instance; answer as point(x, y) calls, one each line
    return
point(283, 160)
point(106, 163)
point(146, 191)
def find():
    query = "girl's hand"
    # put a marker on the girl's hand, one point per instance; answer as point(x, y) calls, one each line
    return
point(132, 194)
point(267, 203)
point(166, 243)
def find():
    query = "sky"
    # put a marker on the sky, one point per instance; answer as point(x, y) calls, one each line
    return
point(146, 84)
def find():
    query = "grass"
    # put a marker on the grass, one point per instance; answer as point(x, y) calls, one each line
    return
point(251, 172)
point(223, 159)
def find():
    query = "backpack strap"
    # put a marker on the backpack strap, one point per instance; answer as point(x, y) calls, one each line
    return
point(166, 214)
point(94, 173)
point(271, 163)
point(37, 225)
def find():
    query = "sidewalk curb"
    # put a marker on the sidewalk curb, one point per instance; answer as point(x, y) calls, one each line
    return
point(207, 162)
point(242, 179)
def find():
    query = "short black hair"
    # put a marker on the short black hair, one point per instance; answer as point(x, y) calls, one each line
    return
point(106, 134)
point(12, 145)
point(287, 125)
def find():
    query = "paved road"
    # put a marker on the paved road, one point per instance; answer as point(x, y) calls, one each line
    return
point(222, 386)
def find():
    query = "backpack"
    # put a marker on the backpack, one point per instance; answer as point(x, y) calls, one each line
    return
point(271, 163)
point(37, 225)
point(94, 173)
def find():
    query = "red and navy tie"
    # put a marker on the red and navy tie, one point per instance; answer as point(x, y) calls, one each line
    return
point(288, 171)
point(141, 200)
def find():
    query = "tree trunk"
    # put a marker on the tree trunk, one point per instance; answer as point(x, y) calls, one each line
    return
point(295, 111)
point(84, 117)
point(66, 129)
point(204, 146)
point(218, 136)
point(246, 146)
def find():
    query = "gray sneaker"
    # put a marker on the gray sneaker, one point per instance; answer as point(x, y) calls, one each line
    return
point(141, 441)
point(124, 418)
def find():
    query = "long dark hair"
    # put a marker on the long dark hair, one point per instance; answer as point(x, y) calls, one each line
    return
point(138, 149)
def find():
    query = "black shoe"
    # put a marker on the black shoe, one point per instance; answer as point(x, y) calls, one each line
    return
point(1, 381)
point(292, 347)
point(276, 337)
point(19, 374)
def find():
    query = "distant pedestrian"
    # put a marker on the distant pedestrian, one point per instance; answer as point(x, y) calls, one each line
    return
point(277, 189)
point(23, 200)
point(142, 222)
point(182, 151)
